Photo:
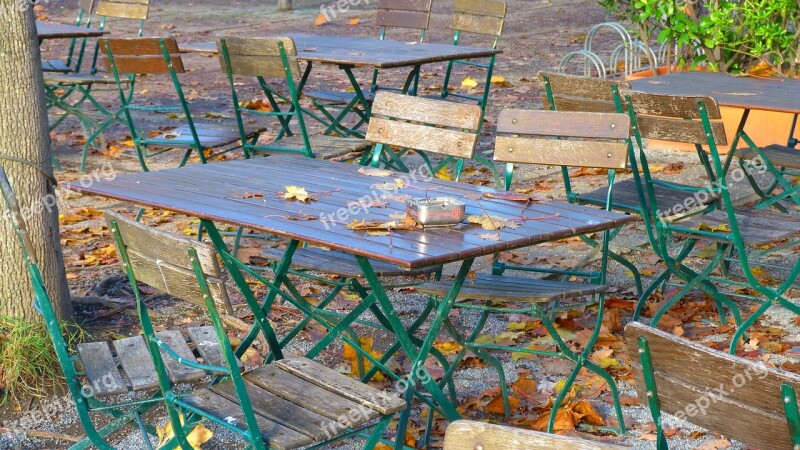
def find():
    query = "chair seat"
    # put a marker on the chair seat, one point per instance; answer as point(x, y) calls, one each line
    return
point(337, 97)
point(323, 147)
point(757, 227)
point(501, 288)
point(102, 368)
point(626, 198)
point(81, 79)
point(297, 403)
point(340, 263)
point(55, 65)
point(211, 135)
point(779, 155)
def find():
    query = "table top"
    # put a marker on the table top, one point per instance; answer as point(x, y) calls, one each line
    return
point(250, 193)
point(767, 94)
point(357, 52)
point(50, 30)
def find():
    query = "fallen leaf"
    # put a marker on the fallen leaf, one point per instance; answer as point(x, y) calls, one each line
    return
point(497, 80)
point(297, 193)
point(495, 406)
point(491, 223)
point(354, 21)
point(375, 172)
point(469, 83)
point(320, 20)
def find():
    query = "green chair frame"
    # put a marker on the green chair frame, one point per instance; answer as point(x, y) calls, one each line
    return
point(73, 62)
point(158, 56)
point(120, 413)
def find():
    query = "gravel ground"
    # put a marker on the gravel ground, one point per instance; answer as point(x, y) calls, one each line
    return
point(537, 34)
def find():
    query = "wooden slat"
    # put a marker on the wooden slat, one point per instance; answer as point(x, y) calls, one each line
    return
point(136, 363)
point(364, 394)
point(583, 87)
point(678, 106)
point(626, 197)
point(275, 435)
point(756, 227)
point(206, 343)
point(142, 55)
point(418, 20)
point(309, 396)
point(259, 56)
point(469, 23)
point(779, 155)
point(164, 246)
point(565, 124)
point(569, 103)
point(178, 372)
point(405, 5)
point(506, 288)
point(422, 137)
point(126, 9)
point(610, 155)
point(434, 112)
point(280, 411)
point(481, 7)
point(86, 5)
point(688, 375)
point(679, 130)
point(339, 263)
point(469, 435)
point(101, 369)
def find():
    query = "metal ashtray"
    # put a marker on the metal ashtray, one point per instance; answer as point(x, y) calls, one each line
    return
point(435, 212)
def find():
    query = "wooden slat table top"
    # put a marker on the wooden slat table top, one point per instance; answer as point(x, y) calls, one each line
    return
point(50, 30)
point(366, 52)
point(218, 192)
point(767, 94)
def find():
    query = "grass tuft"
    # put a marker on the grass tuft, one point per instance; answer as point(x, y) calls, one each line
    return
point(28, 363)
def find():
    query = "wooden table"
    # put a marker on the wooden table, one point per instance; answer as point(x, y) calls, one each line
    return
point(766, 94)
point(239, 193)
point(50, 30)
point(351, 52)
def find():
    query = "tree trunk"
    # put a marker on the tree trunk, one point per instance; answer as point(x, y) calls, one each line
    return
point(25, 154)
point(284, 5)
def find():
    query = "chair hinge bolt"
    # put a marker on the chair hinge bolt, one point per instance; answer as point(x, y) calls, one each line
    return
point(511, 150)
point(641, 351)
point(478, 446)
point(650, 394)
point(787, 400)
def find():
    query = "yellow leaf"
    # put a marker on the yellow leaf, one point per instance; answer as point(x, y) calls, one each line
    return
point(320, 20)
point(297, 193)
point(469, 83)
point(374, 172)
point(199, 436)
point(354, 21)
point(444, 174)
point(497, 80)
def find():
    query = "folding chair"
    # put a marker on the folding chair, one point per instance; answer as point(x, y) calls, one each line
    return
point(160, 56)
point(741, 235)
point(291, 403)
point(736, 397)
point(486, 18)
point(422, 126)
point(276, 58)
point(470, 435)
point(583, 140)
point(59, 87)
point(406, 14)
point(77, 46)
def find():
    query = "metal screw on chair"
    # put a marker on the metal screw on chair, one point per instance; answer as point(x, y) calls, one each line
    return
point(641, 351)
point(478, 446)
point(513, 120)
point(787, 400)
point(613, 125)
point(650, 393)
point(511, 150)
point(796, 447)
point(609, 155)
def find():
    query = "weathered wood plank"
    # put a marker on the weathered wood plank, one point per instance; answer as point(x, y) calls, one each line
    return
point(405, 5)
point(481, 7)
point(206, 342)
point(313, 372)
point(469, 23)
point(422, 137)
point(582, 87)
point(507, 289)
point(418, 20)
point(178, 372)
point(309, 396)
point(779, 155)
point(259, 56)
point(101, 369)
point(279, 410)
point(679, 130)
point(564, 124)
point(136, 363)
point(275, 435)
point(610, 155)
point(424, 110)
point(469, 435)
point(678, 106)
point(125, 9)
point(715, 390)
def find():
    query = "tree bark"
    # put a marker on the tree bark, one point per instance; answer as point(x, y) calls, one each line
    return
point(284, 5)
point(25, 152)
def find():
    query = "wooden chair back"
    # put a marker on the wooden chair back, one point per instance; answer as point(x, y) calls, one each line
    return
point(259, 56)
point(469, 435)
point(585, 139)
point(479, 16)
point(575, 93)
point(162, 260)
point(676, 118)
point(124, 9)
point(415, 14)
point(135, 56)
point(86, 6)
point(435, 126)
point(714, 390)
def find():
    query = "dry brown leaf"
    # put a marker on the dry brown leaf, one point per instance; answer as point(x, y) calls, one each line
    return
point(375, 172)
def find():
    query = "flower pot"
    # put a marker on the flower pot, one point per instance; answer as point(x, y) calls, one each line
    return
point(764, 127)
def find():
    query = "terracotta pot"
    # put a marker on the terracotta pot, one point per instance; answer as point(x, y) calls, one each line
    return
point(764, 127)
